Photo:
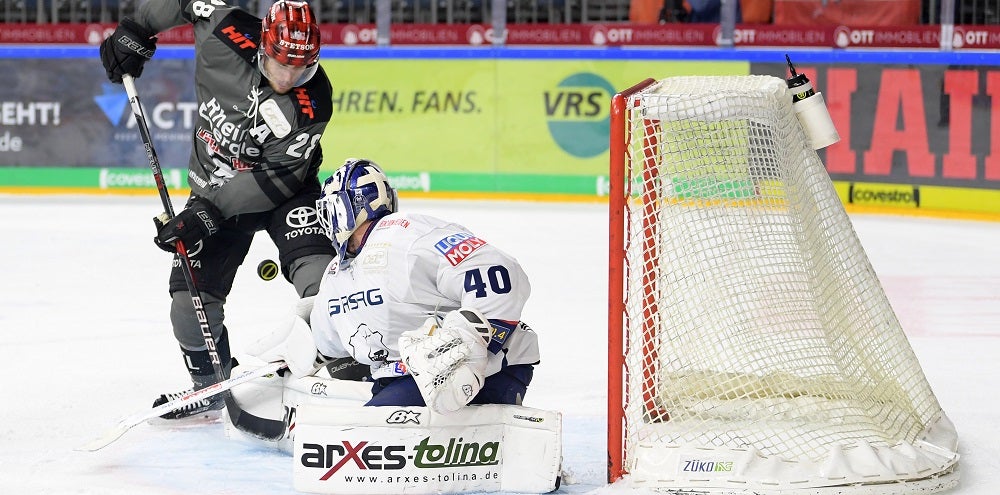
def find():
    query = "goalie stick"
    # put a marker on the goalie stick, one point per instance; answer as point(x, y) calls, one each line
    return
point(128, 422)
point(263, 428)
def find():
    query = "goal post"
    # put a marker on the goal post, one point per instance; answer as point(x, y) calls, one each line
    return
point(618, 149)
point(752, 348)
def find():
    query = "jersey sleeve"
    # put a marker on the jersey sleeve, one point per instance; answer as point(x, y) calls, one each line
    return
point(485, 278)
point(161, 15)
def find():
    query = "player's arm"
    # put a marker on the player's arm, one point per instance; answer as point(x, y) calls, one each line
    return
point(291, 343)
point(289, 164)
point(134, 40)
point(301, 349)
point(326, 337)
point(161, 15)
point(474, 272)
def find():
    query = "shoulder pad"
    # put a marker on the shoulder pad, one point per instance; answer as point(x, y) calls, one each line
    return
point(240, 31)
point(303, 106)
point(313, 101)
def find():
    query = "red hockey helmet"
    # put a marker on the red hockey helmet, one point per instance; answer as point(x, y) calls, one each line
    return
point(290, 34)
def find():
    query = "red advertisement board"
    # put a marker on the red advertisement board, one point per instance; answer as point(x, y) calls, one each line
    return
point(704, 35)
point(916, 125)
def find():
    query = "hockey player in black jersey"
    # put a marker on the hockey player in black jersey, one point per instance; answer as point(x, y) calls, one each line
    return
point(263, 104)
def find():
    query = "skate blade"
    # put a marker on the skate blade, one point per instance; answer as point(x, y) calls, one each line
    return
point(203, 418)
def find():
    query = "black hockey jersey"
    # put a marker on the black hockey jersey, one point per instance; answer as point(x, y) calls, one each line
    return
point(252, 147)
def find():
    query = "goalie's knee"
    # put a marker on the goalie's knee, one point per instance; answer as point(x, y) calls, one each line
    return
point(508, 386)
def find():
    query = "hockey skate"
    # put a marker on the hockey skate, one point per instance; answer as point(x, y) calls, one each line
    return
point(205, 410)
point(203, 374)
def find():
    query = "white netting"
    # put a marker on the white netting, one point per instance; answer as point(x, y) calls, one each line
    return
point(753, 318)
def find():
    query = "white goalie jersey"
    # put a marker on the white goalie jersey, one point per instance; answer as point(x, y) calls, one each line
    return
point(411, 267)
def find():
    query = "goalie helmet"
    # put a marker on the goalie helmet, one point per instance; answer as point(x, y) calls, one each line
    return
point(356, 192)
point(290, 37)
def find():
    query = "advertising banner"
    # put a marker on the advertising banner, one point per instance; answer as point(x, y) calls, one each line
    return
point(516, 121)
point(471, 124)
point(920, 124)
point(811, 34)
point(486, 116)
point(911, 135)
point(65, 113)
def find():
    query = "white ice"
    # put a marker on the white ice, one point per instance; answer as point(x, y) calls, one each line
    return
point(85, 339)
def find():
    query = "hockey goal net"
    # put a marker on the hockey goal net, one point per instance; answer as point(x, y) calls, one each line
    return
point(752, 347)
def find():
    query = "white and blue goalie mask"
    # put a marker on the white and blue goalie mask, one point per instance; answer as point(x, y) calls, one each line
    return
point(358, 191)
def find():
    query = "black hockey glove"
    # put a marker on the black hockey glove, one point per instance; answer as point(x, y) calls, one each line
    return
point(199, 220)
point(125, 51)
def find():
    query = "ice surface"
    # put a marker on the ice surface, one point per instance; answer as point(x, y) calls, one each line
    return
point(85, 339)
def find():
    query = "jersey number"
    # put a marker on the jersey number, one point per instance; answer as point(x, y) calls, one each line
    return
point(497, 275)
point(300, 141)
point(203, 9)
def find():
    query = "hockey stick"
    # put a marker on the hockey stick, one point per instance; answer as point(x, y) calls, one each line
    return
point(264, 428)
point(128, 422)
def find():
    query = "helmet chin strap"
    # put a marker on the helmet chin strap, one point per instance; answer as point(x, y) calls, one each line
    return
point(364, 237)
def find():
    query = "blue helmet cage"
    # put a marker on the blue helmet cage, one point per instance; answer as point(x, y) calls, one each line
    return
point(358, 191)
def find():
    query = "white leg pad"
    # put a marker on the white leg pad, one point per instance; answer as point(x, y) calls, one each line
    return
point(412, 450)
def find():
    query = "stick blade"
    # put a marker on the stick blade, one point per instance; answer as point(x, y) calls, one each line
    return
point(104, 440)
point(269, 428)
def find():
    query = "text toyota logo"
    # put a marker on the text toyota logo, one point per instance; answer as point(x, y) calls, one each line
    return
point(300, 217)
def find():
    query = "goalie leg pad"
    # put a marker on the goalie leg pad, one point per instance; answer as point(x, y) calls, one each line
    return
point(413, 450)
point(277, 398)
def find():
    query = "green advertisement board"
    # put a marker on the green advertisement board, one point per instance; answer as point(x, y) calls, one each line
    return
point(490, 117)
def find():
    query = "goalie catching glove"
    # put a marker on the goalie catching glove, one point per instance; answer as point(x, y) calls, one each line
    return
point(448, 361)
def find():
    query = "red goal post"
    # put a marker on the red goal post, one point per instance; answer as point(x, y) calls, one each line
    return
point(616, 252)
